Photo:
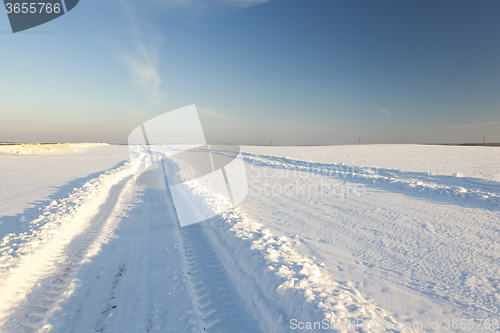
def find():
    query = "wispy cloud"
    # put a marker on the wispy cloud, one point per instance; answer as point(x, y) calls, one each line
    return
point(243, 3)
point(145, 75)
point(207, 4)
point(387, 114)
point(452, 127)
point(141, 57)
point(192, 10)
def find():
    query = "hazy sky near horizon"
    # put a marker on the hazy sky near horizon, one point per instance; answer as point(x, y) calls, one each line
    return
point(290, 71)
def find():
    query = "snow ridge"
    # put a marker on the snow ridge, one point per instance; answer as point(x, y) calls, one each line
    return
point(38, 251)
point(277, 283)
point(472, 189)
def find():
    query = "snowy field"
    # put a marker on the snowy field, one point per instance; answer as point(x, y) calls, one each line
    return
point(45, 148)
point(369, 238)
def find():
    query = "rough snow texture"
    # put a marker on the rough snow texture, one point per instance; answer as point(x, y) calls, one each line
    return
point(83, 249)
point(466, 188)
point(277, 282)
point(475, 162)
point(37, 250)
point(44, 148)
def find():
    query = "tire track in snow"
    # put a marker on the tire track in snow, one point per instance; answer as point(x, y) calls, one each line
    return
point(462, 188)
point(137, 300)
point(130, 296)
point(276, 282)
point(217, 304)
point(134, 283)
point(35, 283)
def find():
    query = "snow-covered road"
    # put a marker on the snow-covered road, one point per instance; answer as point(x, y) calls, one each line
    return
point(315, 241)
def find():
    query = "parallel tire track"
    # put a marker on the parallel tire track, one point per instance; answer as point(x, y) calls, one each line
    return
point(32, 314)
point(216, 301)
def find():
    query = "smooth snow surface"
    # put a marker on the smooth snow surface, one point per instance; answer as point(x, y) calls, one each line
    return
point(381, 234)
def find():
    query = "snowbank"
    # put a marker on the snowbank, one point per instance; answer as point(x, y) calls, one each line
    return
point(476, 162)
point(280, 285)
point(41, 148)
point(41, 243)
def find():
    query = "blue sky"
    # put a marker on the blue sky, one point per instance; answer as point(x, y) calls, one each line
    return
point(291, 71)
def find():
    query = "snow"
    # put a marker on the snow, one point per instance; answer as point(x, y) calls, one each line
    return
point(476, 162)
point(41, 245)
point(45, 148)
point(356, 235)
point(32, 181)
